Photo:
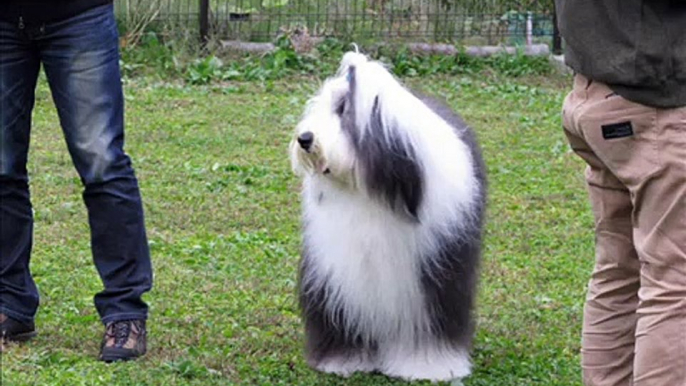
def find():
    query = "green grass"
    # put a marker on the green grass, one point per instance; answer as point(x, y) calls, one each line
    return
point(223, 220)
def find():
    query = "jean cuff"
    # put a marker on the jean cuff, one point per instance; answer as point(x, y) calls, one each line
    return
point(124, 316)
point(16, 315)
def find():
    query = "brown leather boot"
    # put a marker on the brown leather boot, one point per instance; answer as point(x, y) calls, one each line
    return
point(124, 340)
point(14, 331)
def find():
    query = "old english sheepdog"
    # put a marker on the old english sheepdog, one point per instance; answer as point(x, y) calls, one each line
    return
point(394, 192)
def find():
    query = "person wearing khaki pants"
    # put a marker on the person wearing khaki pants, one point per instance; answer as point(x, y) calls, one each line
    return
point(626, 118)
point(634, 330)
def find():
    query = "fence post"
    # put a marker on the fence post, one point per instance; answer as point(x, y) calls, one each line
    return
point(557, 39)
point(204, 21)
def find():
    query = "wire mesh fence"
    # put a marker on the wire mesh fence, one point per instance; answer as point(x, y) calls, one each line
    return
point(471, 21)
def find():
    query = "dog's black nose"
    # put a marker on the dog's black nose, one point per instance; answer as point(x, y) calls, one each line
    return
point(306, 139)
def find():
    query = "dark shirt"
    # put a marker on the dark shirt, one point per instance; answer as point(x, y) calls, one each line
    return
point(44, 11)
point(638, 48)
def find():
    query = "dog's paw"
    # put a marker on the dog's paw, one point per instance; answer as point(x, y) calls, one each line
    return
point(436, 365)
point(345, 366)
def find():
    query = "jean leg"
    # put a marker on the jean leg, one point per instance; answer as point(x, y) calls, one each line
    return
point(81, 61)
point(19, 66)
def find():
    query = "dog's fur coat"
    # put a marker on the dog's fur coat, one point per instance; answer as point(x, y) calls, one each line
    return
point(394, 193)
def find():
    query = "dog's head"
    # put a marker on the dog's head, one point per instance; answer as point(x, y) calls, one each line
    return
point(323, 141)
point(355, 131)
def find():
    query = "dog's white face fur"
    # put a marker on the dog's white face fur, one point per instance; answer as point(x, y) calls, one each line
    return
point(332, 153)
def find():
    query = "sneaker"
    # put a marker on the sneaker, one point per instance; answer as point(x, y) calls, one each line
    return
point(124, 340)
point(14, 331)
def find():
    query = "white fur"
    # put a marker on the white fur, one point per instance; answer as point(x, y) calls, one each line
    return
point(433, 361)
point(365, 251)
point(332, 149)
point(347, 366)
point(368, 256)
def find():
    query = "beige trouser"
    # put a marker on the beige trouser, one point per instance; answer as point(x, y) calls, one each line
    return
point(634, 330)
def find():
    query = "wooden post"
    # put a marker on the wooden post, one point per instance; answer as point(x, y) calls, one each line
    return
point(204, 21)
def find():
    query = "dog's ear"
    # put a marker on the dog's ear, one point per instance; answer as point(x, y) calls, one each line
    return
point(390, 165)
point(346, 110)
point(388, 162)
point(350, 76)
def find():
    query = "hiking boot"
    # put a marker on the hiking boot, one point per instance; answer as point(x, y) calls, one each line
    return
point(124, 340)
point(14, 331)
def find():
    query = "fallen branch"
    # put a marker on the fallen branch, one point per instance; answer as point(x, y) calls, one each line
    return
point(253, 48)
point(532, 50)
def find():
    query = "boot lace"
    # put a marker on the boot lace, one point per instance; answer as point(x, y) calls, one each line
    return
point(120, 331)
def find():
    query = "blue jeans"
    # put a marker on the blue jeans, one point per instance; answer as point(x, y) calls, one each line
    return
point(80, 57)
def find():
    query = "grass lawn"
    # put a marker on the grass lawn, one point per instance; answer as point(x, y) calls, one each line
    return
point(223, 221)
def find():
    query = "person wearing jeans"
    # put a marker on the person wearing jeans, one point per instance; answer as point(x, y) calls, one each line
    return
point(626, 118)
point(77, 44)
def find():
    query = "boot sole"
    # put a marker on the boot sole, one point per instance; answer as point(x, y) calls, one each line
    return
point(110, 357)
point(22, 337)
point(113, 359)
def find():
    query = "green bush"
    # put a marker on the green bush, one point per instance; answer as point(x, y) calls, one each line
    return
point(195, 66)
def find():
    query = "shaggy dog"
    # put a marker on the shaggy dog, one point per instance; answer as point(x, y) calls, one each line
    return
point(394, 192)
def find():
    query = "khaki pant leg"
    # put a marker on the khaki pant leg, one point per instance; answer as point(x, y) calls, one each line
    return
point(645, 148)
point(607, 353)
point(660, 237)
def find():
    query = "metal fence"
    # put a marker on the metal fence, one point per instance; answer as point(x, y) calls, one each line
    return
point(467, 21)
